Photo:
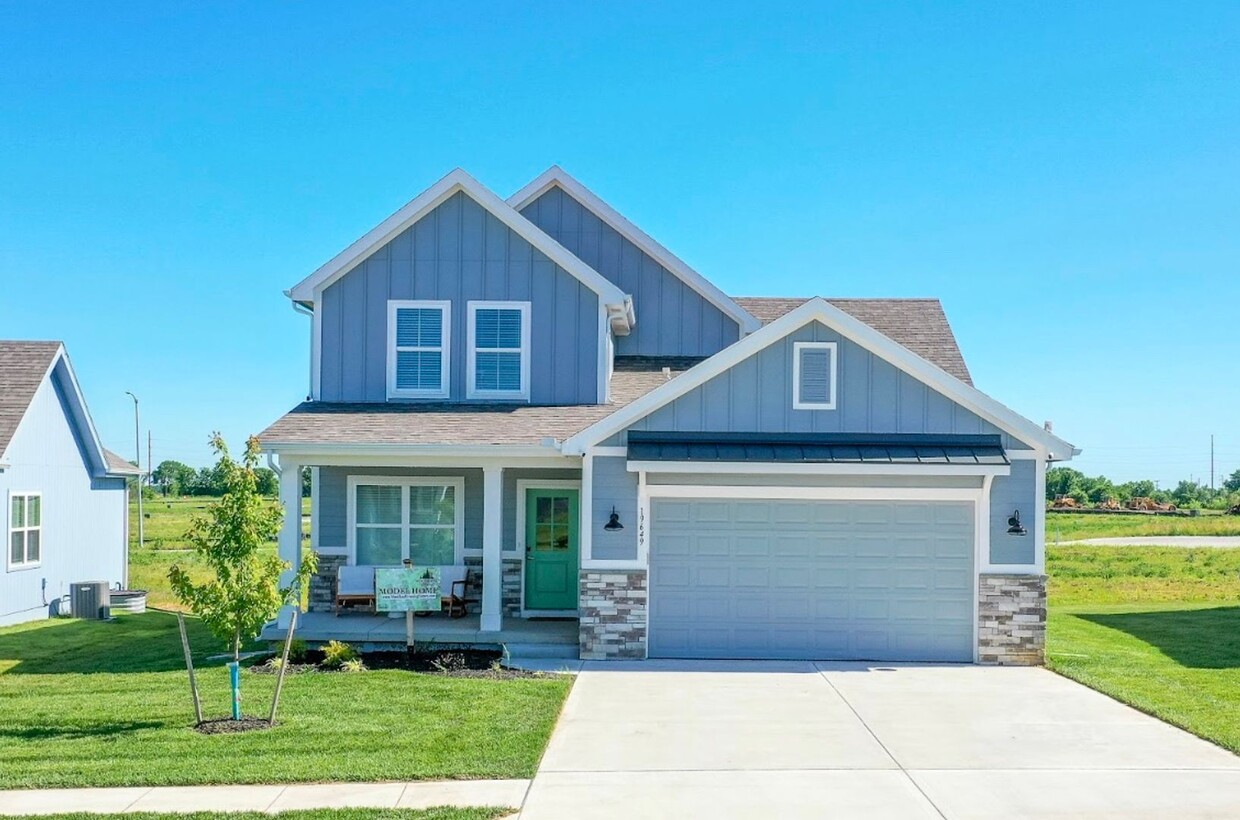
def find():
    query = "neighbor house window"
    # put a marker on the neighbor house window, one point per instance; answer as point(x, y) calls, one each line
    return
point(25, 529)
point(813, 375)
point(394, 518)
point(499, 350)
point(418, 348)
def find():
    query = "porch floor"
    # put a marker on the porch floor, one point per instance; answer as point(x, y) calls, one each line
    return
point(521, 637)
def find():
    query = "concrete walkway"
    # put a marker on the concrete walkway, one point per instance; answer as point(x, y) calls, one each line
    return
point(417, 795)
point(840, 740)
point(1160, 541)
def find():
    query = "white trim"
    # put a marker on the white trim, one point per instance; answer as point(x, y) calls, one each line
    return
point(606, 356)
point(815, 493)
point(557, 176)
point(797, 402)
point(445, 348)
point(524, 485)
point(1025, 455)
point(1039, 517)
point(314, 508)
point(316, 352)
point(820, 310)
point(377, 454)
point(26, 528)
point(405, 482)
point(781, 468)
point(491, 618)
point(585, 540)
point(310, 289)
point(471, 360)
point(643, 521)
point(612, 452)
point(332, 551)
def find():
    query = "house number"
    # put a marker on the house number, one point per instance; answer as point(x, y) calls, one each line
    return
point(641, 526)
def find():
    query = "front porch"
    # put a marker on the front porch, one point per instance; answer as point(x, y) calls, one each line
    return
point(542, 638)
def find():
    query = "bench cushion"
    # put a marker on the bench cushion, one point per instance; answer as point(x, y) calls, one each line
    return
point(355, 580)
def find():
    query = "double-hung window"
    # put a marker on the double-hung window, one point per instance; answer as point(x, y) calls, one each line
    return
point(813, 375)
point(25, 530)
point(394, 518)
point(499, 351)
point(418, 349)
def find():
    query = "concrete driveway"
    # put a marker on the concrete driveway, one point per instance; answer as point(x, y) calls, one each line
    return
point(833, 740)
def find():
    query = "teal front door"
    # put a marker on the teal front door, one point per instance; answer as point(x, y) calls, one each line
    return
point(551, 548)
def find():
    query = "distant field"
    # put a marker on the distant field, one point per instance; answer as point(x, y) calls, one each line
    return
point(1075, 526)
point(166, 522)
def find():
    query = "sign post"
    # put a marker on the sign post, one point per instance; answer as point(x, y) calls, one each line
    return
point(407, 589)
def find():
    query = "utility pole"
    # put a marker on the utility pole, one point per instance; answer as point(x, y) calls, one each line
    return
point(149, 469)
point(137, 446)
point(1211, 462)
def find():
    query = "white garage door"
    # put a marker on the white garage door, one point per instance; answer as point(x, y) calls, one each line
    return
point(873, 580)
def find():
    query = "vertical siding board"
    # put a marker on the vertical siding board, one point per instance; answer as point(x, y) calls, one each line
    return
point(673, 319)
point(755, 395)
point(459, 252)
point(614, 486)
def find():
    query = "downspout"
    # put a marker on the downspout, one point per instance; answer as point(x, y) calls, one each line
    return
point(305, 311)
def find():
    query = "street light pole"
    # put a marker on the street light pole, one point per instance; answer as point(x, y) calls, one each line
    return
point(137, 446)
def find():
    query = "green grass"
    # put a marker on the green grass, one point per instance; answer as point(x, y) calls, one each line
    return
point(86, 703)
point(1157, 628)
point(1075, 526)
point(440, 813)
point(167, 520)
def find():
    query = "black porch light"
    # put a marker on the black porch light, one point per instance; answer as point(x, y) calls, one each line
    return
point(1014, 525)
point(613, 521)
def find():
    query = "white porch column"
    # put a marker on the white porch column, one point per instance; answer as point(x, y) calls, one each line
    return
point(290, 534)
point(492, 549)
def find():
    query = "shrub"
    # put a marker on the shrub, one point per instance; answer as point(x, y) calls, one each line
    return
point(297, 651)
point(353, 665)
point(337, 653)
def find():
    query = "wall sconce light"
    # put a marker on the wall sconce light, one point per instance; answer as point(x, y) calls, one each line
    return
point(613, 521)
point(1014, 525)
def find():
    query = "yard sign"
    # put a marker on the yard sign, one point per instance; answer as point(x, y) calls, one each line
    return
point(407, 589)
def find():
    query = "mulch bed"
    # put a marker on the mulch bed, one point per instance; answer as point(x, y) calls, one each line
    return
point(226, 726)
point(451, 663)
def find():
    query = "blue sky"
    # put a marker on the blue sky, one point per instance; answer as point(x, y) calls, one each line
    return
point(1066, 178)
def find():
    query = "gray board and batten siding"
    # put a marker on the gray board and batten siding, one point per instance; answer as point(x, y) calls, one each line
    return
point(873, 396)
point(673, 319)
point(459, 252)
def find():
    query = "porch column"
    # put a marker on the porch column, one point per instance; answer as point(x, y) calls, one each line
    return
point(492, 549)
point(290, 534)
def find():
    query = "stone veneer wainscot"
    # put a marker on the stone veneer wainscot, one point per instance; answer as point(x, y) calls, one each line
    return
point(1011, 620)
point(612, 607)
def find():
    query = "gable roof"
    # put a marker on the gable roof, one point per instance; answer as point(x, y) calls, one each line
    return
point(24, 366)
point(820, 310)
point(306, 291)
point(918, 324)
point(555, 176)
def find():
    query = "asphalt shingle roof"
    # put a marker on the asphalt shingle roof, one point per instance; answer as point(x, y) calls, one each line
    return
point(22, 367)
point(918, 324)
point(435, 423)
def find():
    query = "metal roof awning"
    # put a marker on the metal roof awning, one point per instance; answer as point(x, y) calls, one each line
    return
point(818, 448)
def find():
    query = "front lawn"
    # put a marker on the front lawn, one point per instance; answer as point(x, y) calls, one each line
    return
point(1157, 628)
point(86, 703)
point(1061, 526)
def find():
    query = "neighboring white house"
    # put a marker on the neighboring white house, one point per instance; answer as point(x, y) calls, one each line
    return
point(65, 507)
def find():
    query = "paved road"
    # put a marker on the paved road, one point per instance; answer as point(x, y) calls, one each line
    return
point(843, 740)
point(1162, 541)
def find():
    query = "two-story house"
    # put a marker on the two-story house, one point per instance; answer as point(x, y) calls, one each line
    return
point(536, 387)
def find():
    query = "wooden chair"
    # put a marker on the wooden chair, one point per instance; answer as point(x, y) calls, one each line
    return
point(454, 583)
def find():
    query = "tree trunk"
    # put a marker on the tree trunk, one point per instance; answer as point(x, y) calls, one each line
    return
point(234, 674)
point(288, 643)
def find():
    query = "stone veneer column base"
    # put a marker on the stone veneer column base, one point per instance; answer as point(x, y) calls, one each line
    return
point(1011, 620)
point(510, 591)
point(612, 610)
point(323, 583)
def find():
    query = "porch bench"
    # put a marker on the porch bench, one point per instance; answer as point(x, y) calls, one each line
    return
point(355, 585)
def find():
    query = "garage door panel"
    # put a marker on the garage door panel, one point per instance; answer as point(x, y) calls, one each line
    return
point(811, 579)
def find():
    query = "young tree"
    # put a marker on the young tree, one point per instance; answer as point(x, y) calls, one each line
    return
point(244, 591)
